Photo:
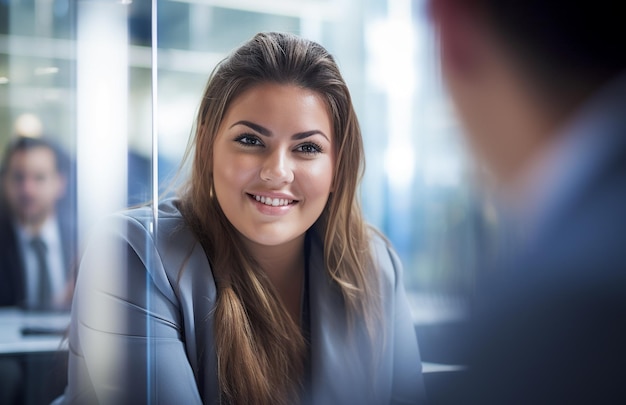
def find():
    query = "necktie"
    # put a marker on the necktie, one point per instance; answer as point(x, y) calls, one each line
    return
point(43, 299)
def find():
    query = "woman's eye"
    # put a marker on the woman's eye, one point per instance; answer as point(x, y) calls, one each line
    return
point(248, 140)
point(309, 148)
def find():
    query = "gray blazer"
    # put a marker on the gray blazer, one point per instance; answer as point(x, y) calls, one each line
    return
point(142, 323)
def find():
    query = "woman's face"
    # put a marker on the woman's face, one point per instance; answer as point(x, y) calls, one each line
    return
point(273, 162)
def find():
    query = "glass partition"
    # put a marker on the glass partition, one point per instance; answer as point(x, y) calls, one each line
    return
point(82, 74)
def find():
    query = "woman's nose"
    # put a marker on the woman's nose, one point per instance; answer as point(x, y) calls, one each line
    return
point(277, 168)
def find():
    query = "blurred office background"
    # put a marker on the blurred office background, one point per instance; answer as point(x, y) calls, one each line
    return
point(81, 71)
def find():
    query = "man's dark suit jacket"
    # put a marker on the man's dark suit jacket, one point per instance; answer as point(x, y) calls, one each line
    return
point(551, 327)
point(12, 282)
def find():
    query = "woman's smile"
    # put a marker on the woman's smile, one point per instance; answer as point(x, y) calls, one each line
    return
point(272, 205)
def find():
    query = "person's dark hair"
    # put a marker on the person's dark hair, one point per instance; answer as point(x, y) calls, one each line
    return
point(23, 143)
point(563, 43)
point(260, 349)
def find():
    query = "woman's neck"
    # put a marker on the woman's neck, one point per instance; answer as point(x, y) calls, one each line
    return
point(284, 266)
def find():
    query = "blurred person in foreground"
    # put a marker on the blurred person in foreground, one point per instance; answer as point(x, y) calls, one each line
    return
point(540, 87)
point(260, 283)
point(36, 238)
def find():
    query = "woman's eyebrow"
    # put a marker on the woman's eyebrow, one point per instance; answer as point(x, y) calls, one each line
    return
point(258, 128)
point(266, 132)
point(306, 134)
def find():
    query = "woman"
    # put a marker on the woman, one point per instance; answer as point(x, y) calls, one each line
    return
point(261, 283)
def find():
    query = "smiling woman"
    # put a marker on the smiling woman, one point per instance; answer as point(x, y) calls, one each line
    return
point(260, 283)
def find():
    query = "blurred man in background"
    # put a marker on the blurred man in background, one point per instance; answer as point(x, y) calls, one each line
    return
point(540, 88)
point(36, 243)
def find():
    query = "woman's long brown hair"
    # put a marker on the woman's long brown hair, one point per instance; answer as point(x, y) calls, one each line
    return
point(260, 349)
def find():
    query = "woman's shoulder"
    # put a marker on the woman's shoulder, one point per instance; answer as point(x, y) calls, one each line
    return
point(167, 213)
point(385, 260)
point(162, 234)
point(138, 224)
point(163, 242)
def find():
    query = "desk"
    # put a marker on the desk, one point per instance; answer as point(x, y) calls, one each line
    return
point(441, 368)
point(44, 379)
point(13, 323)
point(33, 365)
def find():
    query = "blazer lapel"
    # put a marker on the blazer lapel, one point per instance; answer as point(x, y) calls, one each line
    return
point(338, 372)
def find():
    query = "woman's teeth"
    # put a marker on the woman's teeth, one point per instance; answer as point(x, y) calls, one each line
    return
point(274, 202)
